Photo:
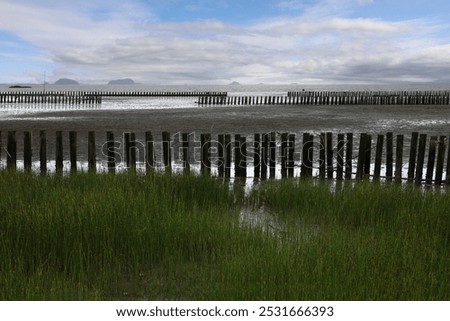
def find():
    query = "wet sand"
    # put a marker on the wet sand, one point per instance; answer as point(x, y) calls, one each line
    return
point(244, 120)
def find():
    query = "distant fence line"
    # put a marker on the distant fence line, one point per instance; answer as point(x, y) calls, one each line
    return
point(336, 98)
point(51, 97)
point(82, 97)
point(326, 156)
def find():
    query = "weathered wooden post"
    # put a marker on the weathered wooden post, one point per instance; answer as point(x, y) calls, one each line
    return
point(132, 152)
point(368, 156)
point(43, 151)
point(447, 180)
point(399, 159)
point(272, 154)
point(440, 160)
point(185, 149)
point(431, 159)
point(237, 155)
point(378, 157)
point(412, 156)
point(110, 152)
point(243, 152)
point(283, 155)
point(421, 158)
point(307, 156)
point(206, 156)
point(257, 156)
point(361, 156)
point(291, 153)
point(91, 153)
point(349, 156)
point(11, 159)
point(389, 156)
point(264, 155)
point(127, 143)
point(340, 157)
point(167, 153)
point(73, 151)
point(330, 156)
point(27, 155)
point(221, 155)
point(59, 152)
point(149, 152)
point(322, 151)
point(228, 154)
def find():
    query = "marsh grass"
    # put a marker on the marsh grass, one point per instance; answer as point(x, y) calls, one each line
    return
point(156, 237)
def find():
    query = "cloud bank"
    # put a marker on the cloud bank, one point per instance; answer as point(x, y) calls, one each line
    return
point(320, 43)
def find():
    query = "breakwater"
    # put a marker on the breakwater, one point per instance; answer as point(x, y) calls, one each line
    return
point(335, 98)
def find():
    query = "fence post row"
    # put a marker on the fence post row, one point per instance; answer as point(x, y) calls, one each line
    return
point(427, 156)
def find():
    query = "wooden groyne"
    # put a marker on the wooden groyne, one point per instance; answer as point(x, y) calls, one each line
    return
point(162, 94)
point(418, 159)
point(80, 97)
point(51, 97)
point(336, 98)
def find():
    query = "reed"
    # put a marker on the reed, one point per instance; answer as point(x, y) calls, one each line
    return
point(158, 237)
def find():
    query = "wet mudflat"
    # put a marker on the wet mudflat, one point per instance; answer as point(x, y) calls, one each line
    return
point(244, 120)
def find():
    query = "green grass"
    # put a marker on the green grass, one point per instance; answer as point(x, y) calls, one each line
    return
point(132, 237)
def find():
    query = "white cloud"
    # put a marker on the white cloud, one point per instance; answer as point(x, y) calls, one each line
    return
point(319, 44)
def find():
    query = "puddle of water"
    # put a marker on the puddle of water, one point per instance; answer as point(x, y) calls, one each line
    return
point(269, 222)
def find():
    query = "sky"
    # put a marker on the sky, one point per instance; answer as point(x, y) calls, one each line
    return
point(221, 41)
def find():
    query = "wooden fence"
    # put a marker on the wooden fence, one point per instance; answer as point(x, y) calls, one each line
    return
point(336, 98)
point(269, 155)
